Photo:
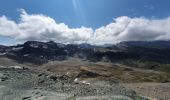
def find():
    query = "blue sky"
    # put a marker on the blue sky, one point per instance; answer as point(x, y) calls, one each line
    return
point(88, 13)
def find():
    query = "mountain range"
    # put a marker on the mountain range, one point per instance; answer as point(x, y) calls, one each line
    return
point(144, 54)
point(42, 52)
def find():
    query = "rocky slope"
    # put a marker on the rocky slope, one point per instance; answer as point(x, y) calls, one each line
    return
point(26, 84)
point(160, 91)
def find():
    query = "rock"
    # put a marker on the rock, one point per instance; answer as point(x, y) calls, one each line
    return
point(24, 68)
point(4, 78)
point(54, 78)
point(42, 81)
point(26, 98)
point(37, 92)
point(39, 75)
point(64, 78)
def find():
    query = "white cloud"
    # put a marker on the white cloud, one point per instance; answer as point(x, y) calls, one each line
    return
point(133, 29)
point(43, 28)
point(8, 28)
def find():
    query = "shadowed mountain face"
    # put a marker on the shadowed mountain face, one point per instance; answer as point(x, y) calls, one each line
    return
point(3, 49)
point(42, 52)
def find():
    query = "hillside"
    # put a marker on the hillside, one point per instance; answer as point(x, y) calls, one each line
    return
point(82, 70)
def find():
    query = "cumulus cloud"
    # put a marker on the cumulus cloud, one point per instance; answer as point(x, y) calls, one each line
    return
point(134, 29)
point(43, 28)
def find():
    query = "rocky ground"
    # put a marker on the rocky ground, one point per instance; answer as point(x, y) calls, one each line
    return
point(83, 80)
point(26, 84)
point(160, 91)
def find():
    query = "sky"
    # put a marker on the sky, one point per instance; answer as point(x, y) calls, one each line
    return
point(79, 21)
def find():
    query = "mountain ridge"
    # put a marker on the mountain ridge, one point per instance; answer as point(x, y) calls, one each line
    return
point(157, 51)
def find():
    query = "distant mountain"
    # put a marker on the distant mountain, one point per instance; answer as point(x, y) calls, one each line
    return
point(42, 52)
point(85, 45)
point(3, 48)
point(146, 44)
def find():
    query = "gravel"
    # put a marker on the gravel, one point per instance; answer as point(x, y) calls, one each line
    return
point(159, 91)
point(26, 84)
